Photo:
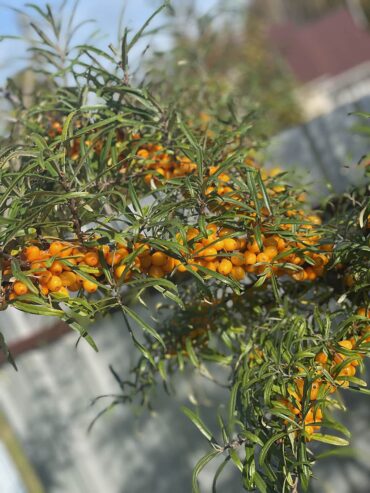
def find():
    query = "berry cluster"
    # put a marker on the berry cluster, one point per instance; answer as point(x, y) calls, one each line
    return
point(163, 164)
point(236, 257)
point(53, 269)
point(340, 362)
point(60, 267)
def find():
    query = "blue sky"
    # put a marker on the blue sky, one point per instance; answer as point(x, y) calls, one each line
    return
point(106, 12)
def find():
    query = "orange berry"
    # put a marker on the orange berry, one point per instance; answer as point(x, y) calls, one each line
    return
point(113, 258)
point(346, 344)
point(208, 254)
point(237, 273)
point(212, 227)
point(223, 177)
point(321, 358)
point(281, 244)
point(56, 267)
point(159, 259)
point(89, 286)
point(310, 273)
point(230, 244)
point(192, 233)
point(219, 245)
point(124, 252)
point(55, 247)
point(144, 249)
point(78, 255)
point(262, 257)
point(143, 153)
point(250, 258)
point(271, 252)
point(68, 278)
point(300, 275)
point(237, 260)
point(242, 243)
point(169, 265)
point(44, 290)
point(213, 265)
point(225, 267)
point(44, 277)
point(309, 430)
point(156, 271)
point(211, 240)
point(181, 268)
point(54, 283)
point(63, 291)
point(92, 259)
point(146, 261)
point(19, 288)
point(66, 251)
point(253, 247)
point(32, 253)
point(315, 387)
point(118, 271)
point(362, 312)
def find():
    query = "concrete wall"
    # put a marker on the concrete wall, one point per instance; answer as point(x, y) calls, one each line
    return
point(326, 149)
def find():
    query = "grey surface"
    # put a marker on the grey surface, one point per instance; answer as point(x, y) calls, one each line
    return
point(128, 451)
point(327, 148)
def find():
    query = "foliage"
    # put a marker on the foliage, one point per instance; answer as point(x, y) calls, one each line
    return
point(109, 195)
point(218, 56)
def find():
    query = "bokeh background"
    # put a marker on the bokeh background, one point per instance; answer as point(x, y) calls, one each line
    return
point(303, 68)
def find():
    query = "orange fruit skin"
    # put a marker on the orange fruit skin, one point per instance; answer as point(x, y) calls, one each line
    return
point(89, 286)
point(92, 259)
point(56, 267)
point(237, 260)
point(253, 247)
point(208, 254)
point(156, 271)
point(169, 265)
point(321, 358)
point(54, 284)
point(238, 273)
point(225, 267)
point(68, 278)
point(55, 247)
point(271, 252)
point(146, 261)
point(159, 259)
point(230, 244)
point(19, 288)
point(262, 257)
point(345, 344)
point(32, 253)
point(250, 258)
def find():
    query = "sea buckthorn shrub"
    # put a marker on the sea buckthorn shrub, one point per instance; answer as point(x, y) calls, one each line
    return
point(106, 205)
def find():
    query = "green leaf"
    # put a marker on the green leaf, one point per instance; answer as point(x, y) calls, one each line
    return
point(218, 473)
point(201, 465)
point(331, 439)
point(198, 423)
point(145, 326)
point(266, 447)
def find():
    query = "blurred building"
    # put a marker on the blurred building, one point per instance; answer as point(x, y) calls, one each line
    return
point(329, 57)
